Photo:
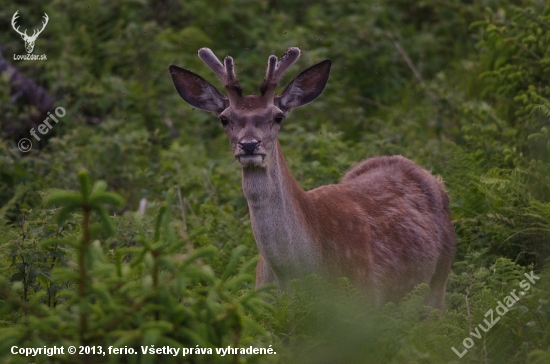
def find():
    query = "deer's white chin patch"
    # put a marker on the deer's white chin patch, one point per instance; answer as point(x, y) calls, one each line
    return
point(255, 160)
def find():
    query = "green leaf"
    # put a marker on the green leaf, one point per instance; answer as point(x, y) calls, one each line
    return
point(199, 254)
point(107, 198)
point(61, 198)
point(233, 262)
point(84, 181)
point(107, 223)
point(66, 211)
point(99, 187)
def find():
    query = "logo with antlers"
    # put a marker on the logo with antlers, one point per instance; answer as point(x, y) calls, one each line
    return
point(29, 40)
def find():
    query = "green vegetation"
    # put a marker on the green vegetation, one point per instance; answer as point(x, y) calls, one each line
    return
point(460, 87)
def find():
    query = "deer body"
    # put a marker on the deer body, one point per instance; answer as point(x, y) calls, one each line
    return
point(386, 226)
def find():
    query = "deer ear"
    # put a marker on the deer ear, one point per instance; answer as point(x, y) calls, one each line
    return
point(305, 87)
point(197, 91)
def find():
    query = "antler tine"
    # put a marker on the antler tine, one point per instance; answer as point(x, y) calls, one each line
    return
point(232, 83)
point(271, 66)
point(210, 59)
point(46, 18)
point(225, 73)
point(288, 58)
point(275, 70)
point(230, 70)
point(13, 20)
point(270, 71)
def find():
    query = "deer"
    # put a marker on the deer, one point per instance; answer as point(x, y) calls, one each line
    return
point(29, 40)
point(385, 226)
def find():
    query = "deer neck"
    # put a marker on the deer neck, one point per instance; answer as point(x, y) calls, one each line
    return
point(277, 207)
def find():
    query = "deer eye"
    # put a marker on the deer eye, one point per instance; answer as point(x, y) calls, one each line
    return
point(224, 120)
point(279, 118)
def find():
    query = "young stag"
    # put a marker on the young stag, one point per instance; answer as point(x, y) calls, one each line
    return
point(386, 226)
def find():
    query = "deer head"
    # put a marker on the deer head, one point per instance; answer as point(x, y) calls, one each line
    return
point(29, 40)
point(251, 122)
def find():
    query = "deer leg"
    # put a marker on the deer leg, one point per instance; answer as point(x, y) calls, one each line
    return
point(438, 283)
point(264, 274)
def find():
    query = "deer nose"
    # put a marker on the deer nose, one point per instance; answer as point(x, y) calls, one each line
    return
point(249, 147)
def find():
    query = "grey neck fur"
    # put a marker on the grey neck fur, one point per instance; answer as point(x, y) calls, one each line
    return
point(275, 201)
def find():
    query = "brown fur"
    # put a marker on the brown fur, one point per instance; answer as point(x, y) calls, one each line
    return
point(396, 226)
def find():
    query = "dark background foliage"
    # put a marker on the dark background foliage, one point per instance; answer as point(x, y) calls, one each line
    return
point(460, 87)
